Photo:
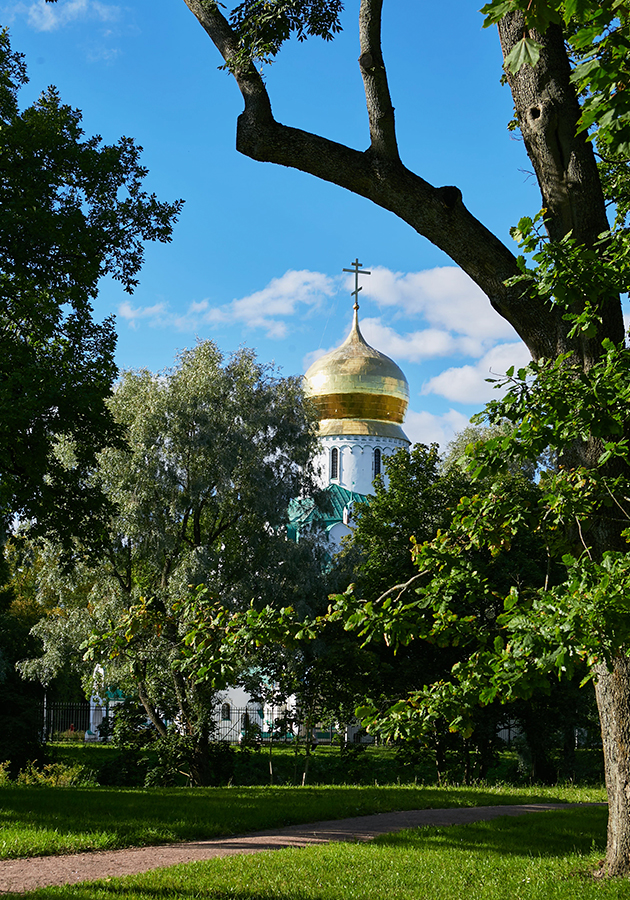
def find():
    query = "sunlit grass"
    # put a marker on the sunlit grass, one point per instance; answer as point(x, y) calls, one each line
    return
point(545, 856)
point(37, 821)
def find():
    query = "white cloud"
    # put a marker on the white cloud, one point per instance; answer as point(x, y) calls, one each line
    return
point(189, 321)
point(467, 384)
point(44, 16)
point(427, 428)
point(102, 54)
point(156, 315)
point(416, 346)
point(447, 298)
point(313, 356)
point(266, 309)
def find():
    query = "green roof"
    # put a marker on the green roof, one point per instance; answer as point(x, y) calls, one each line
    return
point(304, 513)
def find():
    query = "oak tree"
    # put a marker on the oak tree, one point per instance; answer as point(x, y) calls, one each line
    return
point(560, 90)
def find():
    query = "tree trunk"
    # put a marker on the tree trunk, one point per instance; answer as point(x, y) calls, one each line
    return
point(200, 760)
point(547, 111)
point(613, 702)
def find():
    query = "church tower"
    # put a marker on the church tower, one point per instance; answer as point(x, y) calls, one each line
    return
point(361, 397)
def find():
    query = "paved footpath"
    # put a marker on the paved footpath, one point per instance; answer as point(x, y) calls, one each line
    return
point(20, 875)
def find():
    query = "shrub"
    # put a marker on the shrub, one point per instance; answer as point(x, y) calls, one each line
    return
point(69, 736)
point(56, 775)
point(177, 753)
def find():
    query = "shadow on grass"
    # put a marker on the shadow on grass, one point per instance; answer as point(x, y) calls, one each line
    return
point(117, 891)
point(554, 834)
point(543, 834)
point(124, 817)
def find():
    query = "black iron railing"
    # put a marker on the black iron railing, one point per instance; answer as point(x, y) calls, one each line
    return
point(84, 721)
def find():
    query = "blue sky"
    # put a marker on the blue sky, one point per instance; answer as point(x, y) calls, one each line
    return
point(257, 256)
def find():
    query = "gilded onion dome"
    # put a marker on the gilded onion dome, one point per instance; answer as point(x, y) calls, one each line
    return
point(358, 390)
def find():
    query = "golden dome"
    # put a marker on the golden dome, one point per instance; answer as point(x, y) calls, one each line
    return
point(358, 390)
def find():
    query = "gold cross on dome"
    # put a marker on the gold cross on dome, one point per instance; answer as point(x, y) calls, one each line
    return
point(356, 268)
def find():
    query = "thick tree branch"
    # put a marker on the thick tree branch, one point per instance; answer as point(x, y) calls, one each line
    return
point(378, 100)
point(251, 85)
point(437, 214)
point(150, 709)
point(125, 584)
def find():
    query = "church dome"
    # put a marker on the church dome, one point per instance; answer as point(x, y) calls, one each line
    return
point(358, 390)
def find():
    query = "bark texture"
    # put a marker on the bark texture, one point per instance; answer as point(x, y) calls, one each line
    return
point(613, 701)
point(564, 163)
point(547, 111)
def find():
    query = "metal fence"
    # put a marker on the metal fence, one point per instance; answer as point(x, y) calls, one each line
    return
point(65, 721)
point(235, 724)
point(84, 721)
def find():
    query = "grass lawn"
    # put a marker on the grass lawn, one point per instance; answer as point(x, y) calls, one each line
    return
point(39, 821)
point(547, 856)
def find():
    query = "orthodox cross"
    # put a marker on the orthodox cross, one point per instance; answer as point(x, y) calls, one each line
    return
point(356, 268)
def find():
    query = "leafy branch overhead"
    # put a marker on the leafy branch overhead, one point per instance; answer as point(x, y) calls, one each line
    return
point(262, 27)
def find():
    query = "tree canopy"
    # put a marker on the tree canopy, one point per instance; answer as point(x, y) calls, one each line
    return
point(215, 451)
point(72, 210)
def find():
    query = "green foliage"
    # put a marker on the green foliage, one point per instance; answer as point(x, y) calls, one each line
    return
point(20, 703)
point(415, 503)
point(573, 613)
point(177, 760)
point(573, 277)
point(614, 173)
point(130, 729)
point(55, 775)
point(262, 26)
point(556, 403)
point(216, 449)
point(71, 211)
point(525, 53)
point(421, 646)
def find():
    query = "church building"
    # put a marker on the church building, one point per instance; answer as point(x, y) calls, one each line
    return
point(361, 397)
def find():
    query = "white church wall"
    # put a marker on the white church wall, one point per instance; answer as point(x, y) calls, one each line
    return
point(335, 534)
point(355, 462)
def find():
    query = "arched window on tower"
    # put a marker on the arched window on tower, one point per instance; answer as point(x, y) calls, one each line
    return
point(334, 463)
point(377, 463)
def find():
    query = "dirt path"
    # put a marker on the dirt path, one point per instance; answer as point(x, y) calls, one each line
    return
point(20, 875)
